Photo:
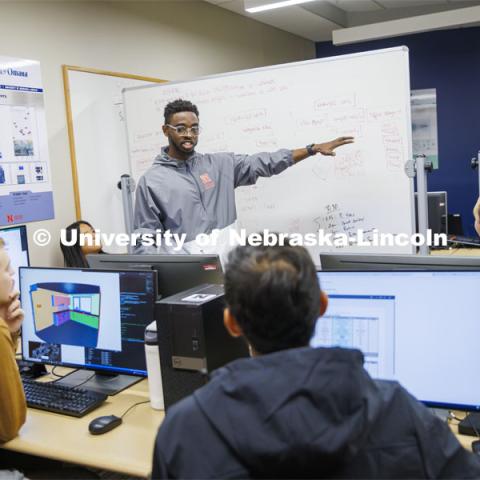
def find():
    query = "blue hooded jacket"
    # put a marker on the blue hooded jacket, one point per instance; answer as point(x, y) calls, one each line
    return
point(306, 413)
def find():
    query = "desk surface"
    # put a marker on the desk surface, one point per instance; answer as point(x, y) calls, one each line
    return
point(463, 252)
point(127, 449)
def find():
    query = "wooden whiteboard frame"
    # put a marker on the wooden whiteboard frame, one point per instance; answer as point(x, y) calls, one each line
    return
point(70, 121)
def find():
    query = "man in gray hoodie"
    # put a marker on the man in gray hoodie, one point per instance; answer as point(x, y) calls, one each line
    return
point(186, 192)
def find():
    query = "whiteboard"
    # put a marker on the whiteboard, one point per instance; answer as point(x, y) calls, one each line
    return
point(366, 95)
point(98, 144)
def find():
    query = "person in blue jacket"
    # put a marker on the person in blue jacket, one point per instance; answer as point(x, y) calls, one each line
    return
point(187, 192)
point(291, 411)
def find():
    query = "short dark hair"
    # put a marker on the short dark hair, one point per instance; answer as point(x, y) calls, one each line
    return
point(274, 294)
point(178, 106)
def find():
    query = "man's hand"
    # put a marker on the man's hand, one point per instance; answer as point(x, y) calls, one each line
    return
point(12, 313)
point(476, 214)
point(328, 148)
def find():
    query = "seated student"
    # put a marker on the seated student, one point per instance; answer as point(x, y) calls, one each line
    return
point(293, 411)
point(13, 407)
point(476, 215)
point(74, 255)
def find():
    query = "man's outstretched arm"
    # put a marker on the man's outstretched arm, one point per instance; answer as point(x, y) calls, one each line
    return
point(327, 148)
point(248, 168)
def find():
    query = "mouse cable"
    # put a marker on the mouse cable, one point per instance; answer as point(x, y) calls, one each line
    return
point(52, 372)
point(72, 387)
point(85, 381)
point(132, 406)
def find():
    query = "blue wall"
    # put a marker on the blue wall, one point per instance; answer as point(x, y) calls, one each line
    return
point(449, 61)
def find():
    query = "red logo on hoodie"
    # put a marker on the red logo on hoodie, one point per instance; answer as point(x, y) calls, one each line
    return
point(208, 183)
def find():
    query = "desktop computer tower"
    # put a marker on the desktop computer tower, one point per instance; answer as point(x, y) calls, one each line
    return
point(192, 340)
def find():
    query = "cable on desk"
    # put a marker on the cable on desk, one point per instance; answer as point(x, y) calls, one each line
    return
point(63, 376)
point(132, 406)
point(85, 381)
point(56, 374)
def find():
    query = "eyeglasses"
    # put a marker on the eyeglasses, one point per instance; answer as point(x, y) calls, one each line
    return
point(183, 130)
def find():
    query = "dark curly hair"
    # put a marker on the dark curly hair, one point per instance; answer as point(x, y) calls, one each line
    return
point(178, 106)
point(274, 294)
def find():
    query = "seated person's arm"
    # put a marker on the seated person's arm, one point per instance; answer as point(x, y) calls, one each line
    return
point(476, 214)
point(12, 400)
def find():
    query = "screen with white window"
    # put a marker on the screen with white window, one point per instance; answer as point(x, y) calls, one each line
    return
point(419, 328)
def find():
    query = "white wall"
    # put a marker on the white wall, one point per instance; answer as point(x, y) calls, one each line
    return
point(165, 39)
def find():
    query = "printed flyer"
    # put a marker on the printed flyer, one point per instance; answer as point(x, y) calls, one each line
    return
point(25, 184)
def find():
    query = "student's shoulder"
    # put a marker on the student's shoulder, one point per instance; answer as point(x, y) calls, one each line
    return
point(4, 327)
point(183, 412)
point(398, 399)
point(5, 335)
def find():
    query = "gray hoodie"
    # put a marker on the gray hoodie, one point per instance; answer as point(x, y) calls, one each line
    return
point(197, 195)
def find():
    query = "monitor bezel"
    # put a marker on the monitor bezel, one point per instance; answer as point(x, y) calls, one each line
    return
point(428, 403)
point(400, 262)
point(23, 230)
point(95, 368)
point(152, 258)
point(154, 262)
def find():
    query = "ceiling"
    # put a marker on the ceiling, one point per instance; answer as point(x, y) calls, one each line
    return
point(318, 19)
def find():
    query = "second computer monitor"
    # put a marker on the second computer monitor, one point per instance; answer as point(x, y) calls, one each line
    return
point(419, 328)
point(175, 273)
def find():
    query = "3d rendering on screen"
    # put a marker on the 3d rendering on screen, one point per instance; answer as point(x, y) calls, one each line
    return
point(66, 313)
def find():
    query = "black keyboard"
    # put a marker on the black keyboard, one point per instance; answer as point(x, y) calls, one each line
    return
point(60, 399)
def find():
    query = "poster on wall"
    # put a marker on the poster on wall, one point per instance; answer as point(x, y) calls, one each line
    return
point(25, 183)
point(424, 124)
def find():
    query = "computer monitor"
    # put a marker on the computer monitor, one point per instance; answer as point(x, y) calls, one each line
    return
point(88, 319)
point(175, 273)
point(419, 328)
point(16, 245)
point(361, 261)
point(437, 212)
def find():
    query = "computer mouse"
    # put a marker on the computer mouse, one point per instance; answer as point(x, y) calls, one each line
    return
point(104, 424)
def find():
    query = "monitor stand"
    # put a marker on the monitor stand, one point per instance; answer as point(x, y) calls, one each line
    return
point(100, 382)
